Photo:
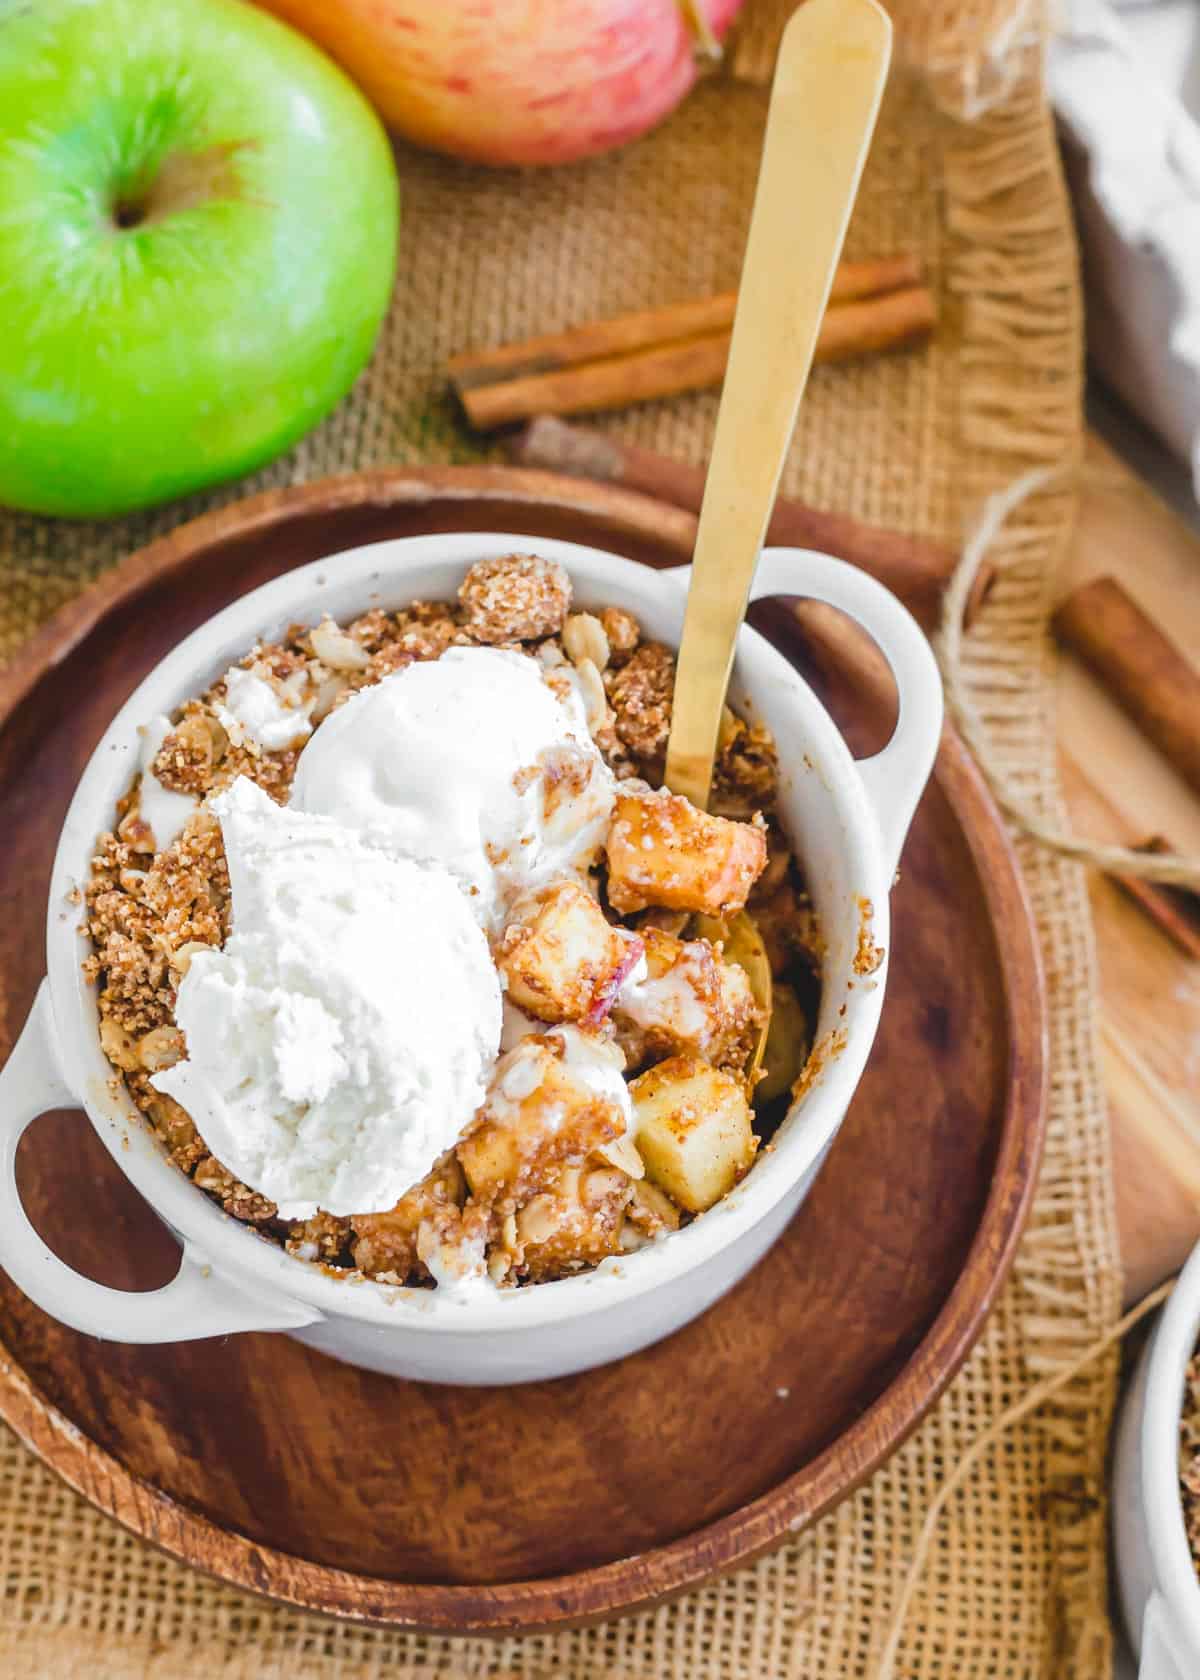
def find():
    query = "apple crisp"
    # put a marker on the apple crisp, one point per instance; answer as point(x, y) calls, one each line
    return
point(627, 1002)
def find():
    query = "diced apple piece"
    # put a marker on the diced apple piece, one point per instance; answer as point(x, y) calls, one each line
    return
point(576, 1221)
point(538, 1116)
point(650, 1210)
point(741, 1017)
point(788, 1040)
point(663, 851)
point(560, 958)
point(693, 1130)
point(690, 1001)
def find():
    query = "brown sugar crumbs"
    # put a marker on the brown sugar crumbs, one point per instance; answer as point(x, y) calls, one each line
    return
point(867, 955)
point(640, 696)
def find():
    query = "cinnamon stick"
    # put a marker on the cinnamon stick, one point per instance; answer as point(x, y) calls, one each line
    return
point(647, 328)
point(1142, 669)
point(911, 567)
point(1174, 910)
point(687, 364)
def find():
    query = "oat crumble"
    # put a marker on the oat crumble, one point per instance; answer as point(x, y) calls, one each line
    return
point(1189, 1458)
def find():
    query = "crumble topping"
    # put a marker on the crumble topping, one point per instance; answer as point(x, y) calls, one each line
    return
point(1189, 1457)
point(623, 632)
point(519, 597)
point(639, 693)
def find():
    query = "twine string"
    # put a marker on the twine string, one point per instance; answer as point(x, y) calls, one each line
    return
point(1029, 1402)
point(1172, 869)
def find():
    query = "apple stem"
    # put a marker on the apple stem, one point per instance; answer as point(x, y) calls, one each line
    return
point(183, 181)
point(704, 42)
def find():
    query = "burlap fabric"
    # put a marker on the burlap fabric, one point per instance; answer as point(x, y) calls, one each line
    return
point(1016, 1585)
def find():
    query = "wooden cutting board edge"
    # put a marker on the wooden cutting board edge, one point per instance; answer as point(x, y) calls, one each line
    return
point(1116, 787)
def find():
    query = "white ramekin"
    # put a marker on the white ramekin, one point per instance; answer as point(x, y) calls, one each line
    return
point(1156, 1578)
point(847, 821)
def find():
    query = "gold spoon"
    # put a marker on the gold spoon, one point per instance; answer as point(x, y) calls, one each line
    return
point(828, 84)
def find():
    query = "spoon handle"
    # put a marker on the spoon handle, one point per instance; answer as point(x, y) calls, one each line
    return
point(828, 84)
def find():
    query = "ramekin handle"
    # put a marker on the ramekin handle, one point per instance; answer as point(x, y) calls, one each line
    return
point(895, 777)
point(197, 1302)
point(1162, 1657)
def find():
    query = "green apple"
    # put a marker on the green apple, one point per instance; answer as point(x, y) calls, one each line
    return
point(198, 221)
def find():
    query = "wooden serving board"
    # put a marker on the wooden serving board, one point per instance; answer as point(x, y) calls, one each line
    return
point(503, 1509)
point(1117, 787)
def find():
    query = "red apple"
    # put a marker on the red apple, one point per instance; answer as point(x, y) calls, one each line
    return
point(517, 81)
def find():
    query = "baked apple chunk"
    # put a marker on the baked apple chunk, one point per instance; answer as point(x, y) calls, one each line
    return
point(560, 959)
point(664, 852)
point(575, 1222)
point(693, 1130)
point(689, 1002)
point(540, 1114)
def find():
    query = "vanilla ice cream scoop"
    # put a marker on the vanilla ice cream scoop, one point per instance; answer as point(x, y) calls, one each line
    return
point(469, 762)
point(344, 1035)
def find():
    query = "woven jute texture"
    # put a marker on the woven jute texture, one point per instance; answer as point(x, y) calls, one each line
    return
point(964, 170)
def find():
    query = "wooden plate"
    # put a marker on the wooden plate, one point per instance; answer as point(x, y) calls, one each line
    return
point(493, 1509)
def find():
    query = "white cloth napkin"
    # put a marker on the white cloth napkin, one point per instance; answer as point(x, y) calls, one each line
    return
point(1127, 92)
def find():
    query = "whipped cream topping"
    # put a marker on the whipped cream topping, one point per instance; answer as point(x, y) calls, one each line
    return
point(345, 1034)
point(264, 716)
point(469, 763)
point(163, 811)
